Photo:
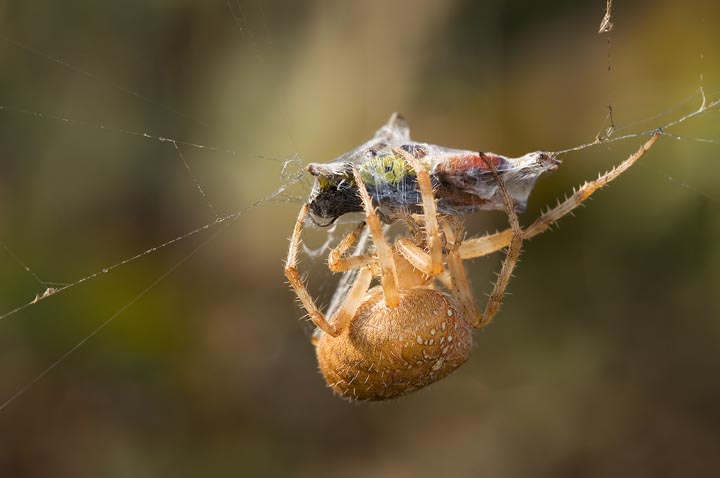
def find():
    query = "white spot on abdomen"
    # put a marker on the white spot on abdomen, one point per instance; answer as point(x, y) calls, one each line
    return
point(437, 365)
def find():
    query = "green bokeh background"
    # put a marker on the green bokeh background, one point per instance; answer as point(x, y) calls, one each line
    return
point(603, 362)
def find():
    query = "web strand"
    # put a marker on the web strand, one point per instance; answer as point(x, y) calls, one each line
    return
point(663, 129)
point(227, 221)
point(110, 319)
point(194, 180)
point(606, 24)
point(23, 265)
point(111, 129)
point(99, 79)
point(230, 217)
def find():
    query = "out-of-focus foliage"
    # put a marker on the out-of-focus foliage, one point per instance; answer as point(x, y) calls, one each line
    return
point(603, 361)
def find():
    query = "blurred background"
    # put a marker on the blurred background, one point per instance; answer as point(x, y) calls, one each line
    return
point(603, 362)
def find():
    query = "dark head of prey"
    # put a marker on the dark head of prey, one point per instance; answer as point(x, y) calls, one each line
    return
point(327, 205)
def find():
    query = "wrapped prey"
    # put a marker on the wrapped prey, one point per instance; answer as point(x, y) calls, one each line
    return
point(462, 180)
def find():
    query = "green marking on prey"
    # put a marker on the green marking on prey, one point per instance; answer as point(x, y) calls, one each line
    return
point(388, 169)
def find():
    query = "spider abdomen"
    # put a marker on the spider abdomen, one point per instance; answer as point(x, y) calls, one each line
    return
point(389, 352)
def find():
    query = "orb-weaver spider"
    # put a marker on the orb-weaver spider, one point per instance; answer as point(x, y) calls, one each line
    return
point(416, 326)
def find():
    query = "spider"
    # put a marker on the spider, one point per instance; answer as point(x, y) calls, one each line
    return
point(415, 327)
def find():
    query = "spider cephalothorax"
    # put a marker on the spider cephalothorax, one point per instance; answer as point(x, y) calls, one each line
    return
point(415, 326)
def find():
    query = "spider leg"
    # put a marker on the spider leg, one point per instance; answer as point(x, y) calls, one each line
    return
point(353, 300)
point(388, 272)
point(432, 229)
point(339, 262)
point(421, 260)
point(291, 272)
point(415, 255)
point(511, 255)
point(458, 278)
point(482, 246)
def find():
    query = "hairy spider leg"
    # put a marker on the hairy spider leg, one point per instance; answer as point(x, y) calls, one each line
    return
point(511, 255)
point(432, 230)
point(415, 255)
point(291, 272)
point(352, 300)
point(339, 262)
point(408, 275)
point(482, 246)
point(460, 284)
point(388, 271)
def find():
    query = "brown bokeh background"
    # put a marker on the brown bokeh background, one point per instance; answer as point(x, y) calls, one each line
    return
point(603, 362)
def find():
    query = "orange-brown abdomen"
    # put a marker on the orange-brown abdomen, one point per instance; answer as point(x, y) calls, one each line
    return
point(389, 352)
